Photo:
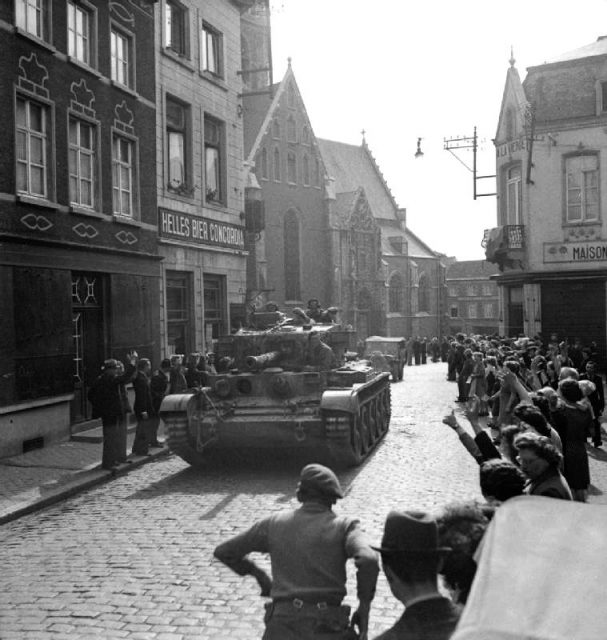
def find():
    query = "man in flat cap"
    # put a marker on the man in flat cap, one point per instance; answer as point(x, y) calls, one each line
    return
point(410, 558)
point(308, 549)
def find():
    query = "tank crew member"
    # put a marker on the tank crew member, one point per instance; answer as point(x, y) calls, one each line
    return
point(300, 317)
point(320, 354)
point(410, 557)
point(314, 309)
point(329, 316)
point(308, 548)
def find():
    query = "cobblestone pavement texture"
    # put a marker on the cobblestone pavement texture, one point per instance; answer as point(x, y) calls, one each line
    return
point(132, 558)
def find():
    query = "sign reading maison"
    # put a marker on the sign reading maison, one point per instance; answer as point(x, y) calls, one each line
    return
point(595, 251)
point(196, 230)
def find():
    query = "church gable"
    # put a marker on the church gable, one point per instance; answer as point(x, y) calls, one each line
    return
point(360, 217)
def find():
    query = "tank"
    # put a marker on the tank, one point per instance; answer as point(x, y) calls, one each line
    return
point(275, 397)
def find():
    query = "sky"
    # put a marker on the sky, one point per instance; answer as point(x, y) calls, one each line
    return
point(408, 69)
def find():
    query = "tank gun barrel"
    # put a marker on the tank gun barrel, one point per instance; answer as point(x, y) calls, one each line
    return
point(263, 360)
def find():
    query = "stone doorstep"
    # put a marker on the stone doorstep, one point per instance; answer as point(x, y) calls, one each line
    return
point(96, 434)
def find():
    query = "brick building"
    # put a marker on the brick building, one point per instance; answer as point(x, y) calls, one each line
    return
point(472, 297)
point(550, 242)
point(79, 265)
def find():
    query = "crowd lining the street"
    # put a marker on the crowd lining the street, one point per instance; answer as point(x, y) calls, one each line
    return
point(542, 402)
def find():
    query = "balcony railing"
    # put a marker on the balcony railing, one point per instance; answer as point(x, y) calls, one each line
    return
point(504, 245)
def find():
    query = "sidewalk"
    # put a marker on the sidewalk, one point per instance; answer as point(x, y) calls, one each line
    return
point(41, 477)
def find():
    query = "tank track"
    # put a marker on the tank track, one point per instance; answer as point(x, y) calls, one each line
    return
point(179, 441)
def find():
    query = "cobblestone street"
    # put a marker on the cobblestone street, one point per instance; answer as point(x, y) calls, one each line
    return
point(133, 558)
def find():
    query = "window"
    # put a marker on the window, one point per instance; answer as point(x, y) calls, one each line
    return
point(213, 159)
point(211, 54)
point(423, 294)
point(291, 168)
point(453, 311)
point(305, 134)
point(33, 148)
point(291, 96)
point(175, 27)
point(514, 195)
point(488, 310)
point(179, 312)
point(472, 310)
point(582, 186)
point(292, 259)
point(123, 176)
point(316, 172)
point(277, 165)
point(603, 96)
point(291, 129)
point(306, 171)
point(488, 290)
point(264, 164)
point(396, 294)
point(176, 137)
point(471, 290)
point(33, 16)
point(276, 129)
point(82, 162)
point(453, 291)
point(121, 55)
point(80, 30)
point(214, 307)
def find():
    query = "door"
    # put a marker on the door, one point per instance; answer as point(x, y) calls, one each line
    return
point(88, 326)
point(515, 312)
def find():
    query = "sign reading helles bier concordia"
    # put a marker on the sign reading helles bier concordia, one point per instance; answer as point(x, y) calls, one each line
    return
point(588, 251)
point(184, 227)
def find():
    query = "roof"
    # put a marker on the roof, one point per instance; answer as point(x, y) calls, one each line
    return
point(417, 247)
point(471, 269)
point(598, 48)
point(352, 166)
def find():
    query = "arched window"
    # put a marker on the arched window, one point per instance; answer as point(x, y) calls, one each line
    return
point(306, 171)
point(316, 172)
point(291, 168)
point(423, 294)
point(276, 128)
point(277, 165)
point(264, 163)
point(305, 134)
point(292, 259)
point(396, 293)
point(291, 129)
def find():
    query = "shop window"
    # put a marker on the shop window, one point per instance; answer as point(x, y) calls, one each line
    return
point(214, 159)
point(33, 16)
point(582, 188)
point(179, 311)
point(83, 161)
point(81, 30)
point(33, 148)
point(214, 307)
point(292, 249)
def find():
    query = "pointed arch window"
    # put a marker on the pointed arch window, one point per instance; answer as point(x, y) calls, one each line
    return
point(291, 129)
point(423, 294)
point(306, 171)
point(292, 256)
point(305, 134)
point(264, 163)
point(291, 96)
point(396, 293)
point(276, 129)
point(277, 165)
point(316, 172)
point(291, 168)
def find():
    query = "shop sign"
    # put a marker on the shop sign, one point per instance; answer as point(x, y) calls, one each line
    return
point(509, 148)
point(593, 251)
point(185, 227)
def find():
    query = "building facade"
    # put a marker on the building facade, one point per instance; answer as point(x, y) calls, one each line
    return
point(79, 264)
point(550, 242)
point(472, 297)
point(199, 154)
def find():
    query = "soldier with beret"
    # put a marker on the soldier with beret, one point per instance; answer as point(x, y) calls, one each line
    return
point(410, 558)
point(308, 549)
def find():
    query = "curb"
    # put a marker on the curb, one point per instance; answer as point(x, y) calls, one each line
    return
point(92, 476)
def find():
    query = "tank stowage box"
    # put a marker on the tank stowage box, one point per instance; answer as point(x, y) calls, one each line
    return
point(275, 395)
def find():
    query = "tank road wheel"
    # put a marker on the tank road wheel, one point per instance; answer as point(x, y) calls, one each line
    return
point(176, 430)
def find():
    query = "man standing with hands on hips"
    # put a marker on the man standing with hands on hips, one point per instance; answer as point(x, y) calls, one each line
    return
point(308, 549)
